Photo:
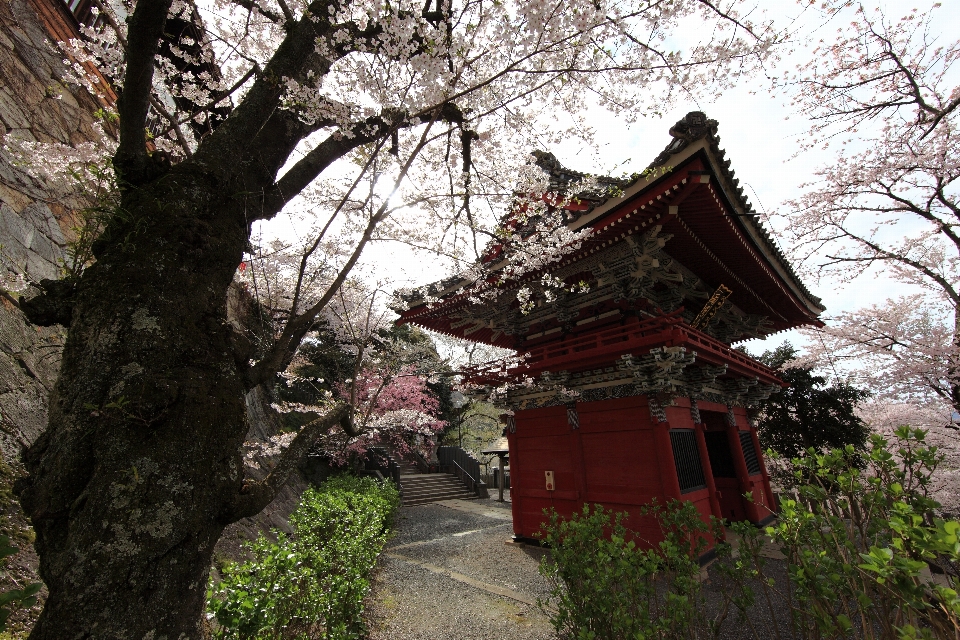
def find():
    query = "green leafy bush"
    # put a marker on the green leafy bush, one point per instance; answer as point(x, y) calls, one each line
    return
point(605, 586)
point(312, 583)
point(858, 539)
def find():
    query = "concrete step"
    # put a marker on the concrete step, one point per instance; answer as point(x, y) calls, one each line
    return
point(416, 493)
point(454, 496)
point(412, 491)
point(416, 481)
point(438, 495)
point(433, 487)
point(425, 478)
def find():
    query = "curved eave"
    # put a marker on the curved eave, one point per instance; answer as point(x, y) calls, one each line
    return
point(758, 239)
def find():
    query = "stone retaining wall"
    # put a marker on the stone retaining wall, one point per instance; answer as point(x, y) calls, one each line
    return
point(35, 222)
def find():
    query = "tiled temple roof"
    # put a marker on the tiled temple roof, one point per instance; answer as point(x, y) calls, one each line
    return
point(694, 127)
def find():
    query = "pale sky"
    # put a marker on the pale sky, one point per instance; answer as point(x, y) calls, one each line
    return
point(759, 133)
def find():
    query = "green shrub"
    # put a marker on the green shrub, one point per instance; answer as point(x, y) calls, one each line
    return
point(312, 583)
point(858, 543)
point(605, 586)
point(15, 598)
point(857, 540)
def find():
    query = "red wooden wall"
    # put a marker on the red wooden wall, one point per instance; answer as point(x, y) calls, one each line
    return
point(620, 458)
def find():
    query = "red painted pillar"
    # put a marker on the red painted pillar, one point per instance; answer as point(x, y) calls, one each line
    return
point(668, 469)
point(578, 464)
point(707, 469)
point(515, 499)
point(743, 475)
point(770, 503)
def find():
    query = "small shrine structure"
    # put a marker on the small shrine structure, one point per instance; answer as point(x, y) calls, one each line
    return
point(637, 393)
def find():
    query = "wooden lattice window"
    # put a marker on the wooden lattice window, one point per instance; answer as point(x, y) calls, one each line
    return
point(749, 453)
point(721, 460)
point(686, 458)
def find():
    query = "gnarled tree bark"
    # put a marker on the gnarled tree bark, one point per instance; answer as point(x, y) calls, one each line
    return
point(140, 468)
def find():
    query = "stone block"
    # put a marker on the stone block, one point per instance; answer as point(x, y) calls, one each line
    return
point(14, 255)
point(45, 248)
point(31, 53)
point(5, 40)
point(12, 197)
point(49, 119)
point(10, 112)
point(67, 99)
point(13, 228)
point(39, 268)
point(18, 77)
point(40, 217)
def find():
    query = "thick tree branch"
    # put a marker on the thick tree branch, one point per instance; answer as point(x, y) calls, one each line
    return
point(296, 58)
point(306, 170)
point(143, 42)
point(250, 5)
point(254, 496)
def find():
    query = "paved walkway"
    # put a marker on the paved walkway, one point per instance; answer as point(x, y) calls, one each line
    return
point(450, 573)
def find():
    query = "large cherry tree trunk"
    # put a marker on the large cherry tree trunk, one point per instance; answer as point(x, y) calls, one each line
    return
point(139, 471)
point(140, 468)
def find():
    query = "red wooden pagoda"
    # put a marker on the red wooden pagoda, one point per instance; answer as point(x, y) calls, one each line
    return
point(638, 394)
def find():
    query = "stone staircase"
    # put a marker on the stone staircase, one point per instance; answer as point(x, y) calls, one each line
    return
point(424, 488)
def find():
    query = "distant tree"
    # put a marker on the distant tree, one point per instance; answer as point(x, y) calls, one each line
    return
point(808, 413)
point(883, 92)
point(320, 364)
point(391, 374)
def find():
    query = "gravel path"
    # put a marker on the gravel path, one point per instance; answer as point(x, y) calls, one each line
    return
point(449, 573)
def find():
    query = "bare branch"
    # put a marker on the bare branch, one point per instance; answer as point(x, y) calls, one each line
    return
point(143, 42)
point(251, 5)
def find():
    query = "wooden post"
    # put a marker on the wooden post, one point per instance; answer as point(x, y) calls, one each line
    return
point(501, 477)
point(668, 470)
point(515, 497)
point(577, 464)
point(743, 474)
point(707, 469)
point(769, 502)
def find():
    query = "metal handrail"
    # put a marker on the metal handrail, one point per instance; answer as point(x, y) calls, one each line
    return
point(465, 471)
point(422, 462)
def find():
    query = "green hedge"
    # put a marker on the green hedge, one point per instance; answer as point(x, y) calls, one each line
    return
point(312, 583)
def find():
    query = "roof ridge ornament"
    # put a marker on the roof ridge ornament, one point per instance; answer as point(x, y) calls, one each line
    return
point(692, 127)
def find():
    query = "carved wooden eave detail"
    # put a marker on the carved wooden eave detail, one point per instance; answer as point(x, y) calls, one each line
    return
point(665, 373)
point(639, 269)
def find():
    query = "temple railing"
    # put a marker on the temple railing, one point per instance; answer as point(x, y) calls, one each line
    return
point(463, 465)
point(595, 349)
point(379, 459)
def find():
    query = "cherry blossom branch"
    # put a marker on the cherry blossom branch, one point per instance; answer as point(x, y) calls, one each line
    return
point(255, 496)
point(280, 355)
point(174, 125)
